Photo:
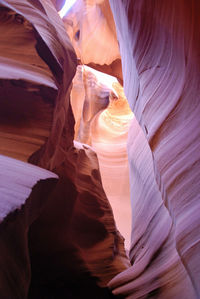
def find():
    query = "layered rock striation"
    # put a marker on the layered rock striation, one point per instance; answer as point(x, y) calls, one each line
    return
point(58, 235)
point(57, 226)
point(103, 117)
point(159, 46)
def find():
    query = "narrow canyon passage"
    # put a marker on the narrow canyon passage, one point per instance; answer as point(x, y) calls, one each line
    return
point(99, 149)
point(58, 234)
point(103, 117)
point(159, 52)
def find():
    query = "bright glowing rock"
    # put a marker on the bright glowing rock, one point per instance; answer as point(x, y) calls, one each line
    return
point(58, 235)
point(106, 130)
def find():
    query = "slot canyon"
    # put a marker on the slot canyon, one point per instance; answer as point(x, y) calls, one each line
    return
point(99, 149)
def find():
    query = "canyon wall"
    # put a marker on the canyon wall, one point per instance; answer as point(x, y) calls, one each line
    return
point(58, 235)
point(160, 46)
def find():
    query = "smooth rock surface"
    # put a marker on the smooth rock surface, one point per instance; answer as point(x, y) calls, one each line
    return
point(102, 117)
point(69, 220)
point(16, 181)
point(85, 23)
point(159, 46)
point(63, 241)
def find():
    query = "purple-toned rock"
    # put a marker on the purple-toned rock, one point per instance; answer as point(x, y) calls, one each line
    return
point(58, 235)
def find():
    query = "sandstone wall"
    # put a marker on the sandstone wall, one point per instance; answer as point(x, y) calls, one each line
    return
point(159, 45)
point(58, 237)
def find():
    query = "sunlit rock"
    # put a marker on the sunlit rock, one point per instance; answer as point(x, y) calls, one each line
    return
point(90, 26)
point(160, 71)
point(58, 234)
point(16, 183)
point(159, 46)
point(102, 118)
point(109, 139)
point(96, 99)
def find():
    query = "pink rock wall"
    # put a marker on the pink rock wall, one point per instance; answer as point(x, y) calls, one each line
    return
point(58, 238)
point(69, 221)
point(159, 45)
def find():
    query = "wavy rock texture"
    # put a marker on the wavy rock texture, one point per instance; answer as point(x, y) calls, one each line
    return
point(159, 45)
point(16, 183)
point(85, 29)
point(24, 193)
point(90, 26)
point(88, 250)
point(26, 80)
point(62, 242)
point(109, 138)
point(107, 132)
point(93, 99)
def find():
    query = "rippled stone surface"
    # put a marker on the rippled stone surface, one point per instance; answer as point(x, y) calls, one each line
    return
point(102, 118)
point(159, 46)
point(160, 70)
point(58, 235)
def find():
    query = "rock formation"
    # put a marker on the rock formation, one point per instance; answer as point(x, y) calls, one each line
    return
point(58, 234)
point(90, 26)
point(106, 131)
point(159, 47)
